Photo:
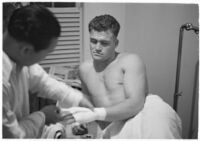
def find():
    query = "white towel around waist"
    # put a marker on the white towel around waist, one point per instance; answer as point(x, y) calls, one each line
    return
point(156, 120)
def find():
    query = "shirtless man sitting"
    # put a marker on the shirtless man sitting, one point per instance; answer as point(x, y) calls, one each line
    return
point(116, 84)
point(116, 81)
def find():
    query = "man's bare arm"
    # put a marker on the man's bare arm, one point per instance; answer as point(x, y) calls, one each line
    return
point(135, 88)
point(82, 71)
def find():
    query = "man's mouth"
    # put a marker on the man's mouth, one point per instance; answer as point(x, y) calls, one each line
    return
point(97, 54)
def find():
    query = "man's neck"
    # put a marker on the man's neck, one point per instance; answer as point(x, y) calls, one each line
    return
point(101, 65)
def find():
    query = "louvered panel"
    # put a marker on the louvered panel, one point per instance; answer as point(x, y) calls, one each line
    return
point(69, 38)
point(62, 56)
point(69, 20)
point(70, 33)
point(63, 40)
point(69, 24)
point(54, 61)
point(68, 48)
point(68, 15)
point(65, 10)
point(74, 47)
point(68, 64)
point(69, 42)
point(65, 51)
point(70, 28)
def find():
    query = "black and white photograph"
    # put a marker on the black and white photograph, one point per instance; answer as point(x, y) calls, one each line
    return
point(100, 70)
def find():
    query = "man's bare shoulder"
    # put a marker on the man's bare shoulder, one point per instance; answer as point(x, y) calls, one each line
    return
point(130, 60)
point(129, 57)
point(85, 66)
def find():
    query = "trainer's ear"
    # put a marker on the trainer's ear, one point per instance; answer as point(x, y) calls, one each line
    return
point(26, 49)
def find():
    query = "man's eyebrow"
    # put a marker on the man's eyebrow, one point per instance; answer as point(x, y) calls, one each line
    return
point(100, 40)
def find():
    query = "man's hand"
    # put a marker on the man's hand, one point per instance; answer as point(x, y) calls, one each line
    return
point(52, 114)
point(83, 115)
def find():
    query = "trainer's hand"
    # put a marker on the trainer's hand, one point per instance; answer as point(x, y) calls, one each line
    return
point(52, 114)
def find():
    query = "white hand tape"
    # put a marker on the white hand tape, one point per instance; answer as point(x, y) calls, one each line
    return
point(101, 113)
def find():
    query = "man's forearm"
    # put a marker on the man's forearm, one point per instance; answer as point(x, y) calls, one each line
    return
point(123, 110)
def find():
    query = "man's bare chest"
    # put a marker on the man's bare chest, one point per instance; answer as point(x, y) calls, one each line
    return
point(106, 81)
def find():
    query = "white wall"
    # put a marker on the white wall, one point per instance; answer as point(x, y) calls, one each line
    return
point(152, 31)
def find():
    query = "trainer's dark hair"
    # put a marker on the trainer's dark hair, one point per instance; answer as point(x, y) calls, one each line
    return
point(104, 23)
point(34, 24)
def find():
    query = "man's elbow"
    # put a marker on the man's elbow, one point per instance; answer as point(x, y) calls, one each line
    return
point(136, 108)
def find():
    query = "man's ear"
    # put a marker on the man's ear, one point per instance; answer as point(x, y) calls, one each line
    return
point(26, 49)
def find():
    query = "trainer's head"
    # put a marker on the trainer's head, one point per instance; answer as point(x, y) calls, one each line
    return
point(35, 30)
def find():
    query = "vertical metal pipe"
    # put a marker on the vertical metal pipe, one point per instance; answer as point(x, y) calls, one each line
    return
point(195, 94)
point(176, 92)
point(187, 26)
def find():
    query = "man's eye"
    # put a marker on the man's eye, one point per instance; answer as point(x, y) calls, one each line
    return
point(93, 41)
point(104, 43)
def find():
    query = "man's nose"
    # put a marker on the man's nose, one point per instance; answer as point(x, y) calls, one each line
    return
point(98, 46)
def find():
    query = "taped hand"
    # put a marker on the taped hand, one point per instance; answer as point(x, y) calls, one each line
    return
point(84, 115)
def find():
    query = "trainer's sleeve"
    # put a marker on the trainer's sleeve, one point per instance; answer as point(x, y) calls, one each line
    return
point(46, 86)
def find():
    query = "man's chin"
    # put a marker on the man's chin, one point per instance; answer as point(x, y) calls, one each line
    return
point(97, 59)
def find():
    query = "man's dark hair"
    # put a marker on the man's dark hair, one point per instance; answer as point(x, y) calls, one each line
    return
point(104, 23)
point(35, 25)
